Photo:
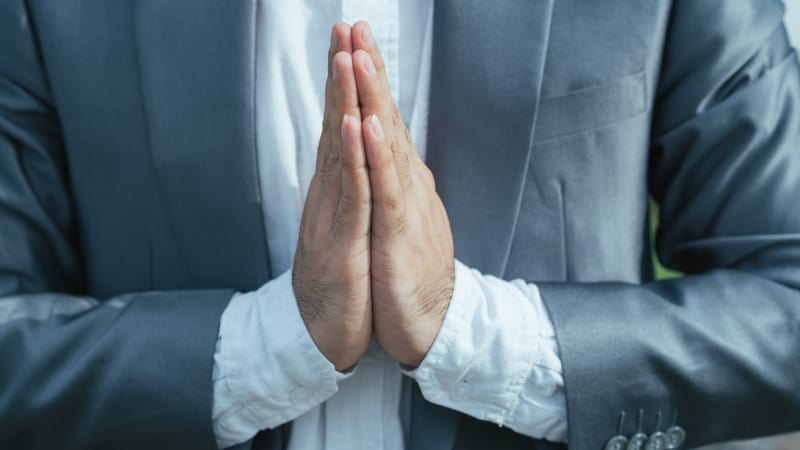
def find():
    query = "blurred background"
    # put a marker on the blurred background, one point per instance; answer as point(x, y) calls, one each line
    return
point(788, 442)
point(793, 20)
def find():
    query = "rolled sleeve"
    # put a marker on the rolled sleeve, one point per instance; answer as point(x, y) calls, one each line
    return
point(267, 369)
point(496, 358)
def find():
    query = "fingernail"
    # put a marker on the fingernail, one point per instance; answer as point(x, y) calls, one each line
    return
point(377, 128)
point(335, 69)
point(366, 36)
point(369, 66)
point(334, 39)
point(345, 121)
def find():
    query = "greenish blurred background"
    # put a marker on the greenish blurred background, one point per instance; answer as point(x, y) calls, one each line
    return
point(661, 271)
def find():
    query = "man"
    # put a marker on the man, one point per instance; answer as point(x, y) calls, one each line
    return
point(148, 300)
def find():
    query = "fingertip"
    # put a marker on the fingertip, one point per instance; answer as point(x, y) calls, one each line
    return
point(362, 35)
point(342, 61)
point(334, 37)
point(341, 37)
point(343, 58)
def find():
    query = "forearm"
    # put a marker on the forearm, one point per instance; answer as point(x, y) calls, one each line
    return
point(718, 345)
point(130, 372)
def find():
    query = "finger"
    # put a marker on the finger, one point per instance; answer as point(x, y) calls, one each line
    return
point(388, 207)
point(363, 39)
point(423, 172)
point(344, 102)
point(344, 95)
point(376, 99)
point(373, 89)
point(352, 219)
point(340, 42)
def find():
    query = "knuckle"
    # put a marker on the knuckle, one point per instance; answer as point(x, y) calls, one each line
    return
point(332, 154)
point(427, 175)
point(354, 110)
point(356, 198)
point(391, 203)
point(348, 199)
point(405, 171)
point(353, 162)
point(382, 164)
point(406, 161)
point(430, 180)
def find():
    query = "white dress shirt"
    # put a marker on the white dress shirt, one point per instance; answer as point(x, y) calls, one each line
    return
point(495, 357)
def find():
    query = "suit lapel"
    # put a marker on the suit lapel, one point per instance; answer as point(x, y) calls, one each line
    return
point(196, 63)
point(487, 69)
point(488, 61)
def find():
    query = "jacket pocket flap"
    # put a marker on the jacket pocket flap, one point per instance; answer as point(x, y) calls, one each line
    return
point(592, 107)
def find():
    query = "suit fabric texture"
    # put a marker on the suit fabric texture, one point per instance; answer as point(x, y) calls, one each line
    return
point(130, 210)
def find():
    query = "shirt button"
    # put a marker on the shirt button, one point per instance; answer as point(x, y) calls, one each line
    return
point(676, 436)
point(617, 442)
point(637, 441)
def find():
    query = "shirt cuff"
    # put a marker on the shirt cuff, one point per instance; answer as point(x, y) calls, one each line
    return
point(496, 358)
point(267, 369)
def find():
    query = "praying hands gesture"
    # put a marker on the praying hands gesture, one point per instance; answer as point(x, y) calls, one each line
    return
point(375, 251)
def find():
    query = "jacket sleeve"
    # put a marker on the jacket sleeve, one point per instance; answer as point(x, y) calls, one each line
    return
point(129, 372)
point(715, 352)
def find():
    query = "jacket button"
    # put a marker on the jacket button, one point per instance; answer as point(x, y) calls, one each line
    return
point(676, 436)
point(657, 441)
point(637, 441)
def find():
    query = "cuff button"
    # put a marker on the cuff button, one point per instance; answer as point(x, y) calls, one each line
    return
point(637, 442)
point(617, 442)
point(676, 436)
point(657, 441)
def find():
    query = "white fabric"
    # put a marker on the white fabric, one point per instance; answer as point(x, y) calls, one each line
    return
point(495, 358)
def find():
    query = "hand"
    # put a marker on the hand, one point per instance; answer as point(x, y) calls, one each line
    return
point(331, 269)
point(412, 263)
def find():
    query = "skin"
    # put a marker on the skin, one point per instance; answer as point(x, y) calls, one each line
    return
point(381, 250)
point(331, 273)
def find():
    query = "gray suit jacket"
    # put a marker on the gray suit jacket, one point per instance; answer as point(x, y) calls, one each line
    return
point(130, 209)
